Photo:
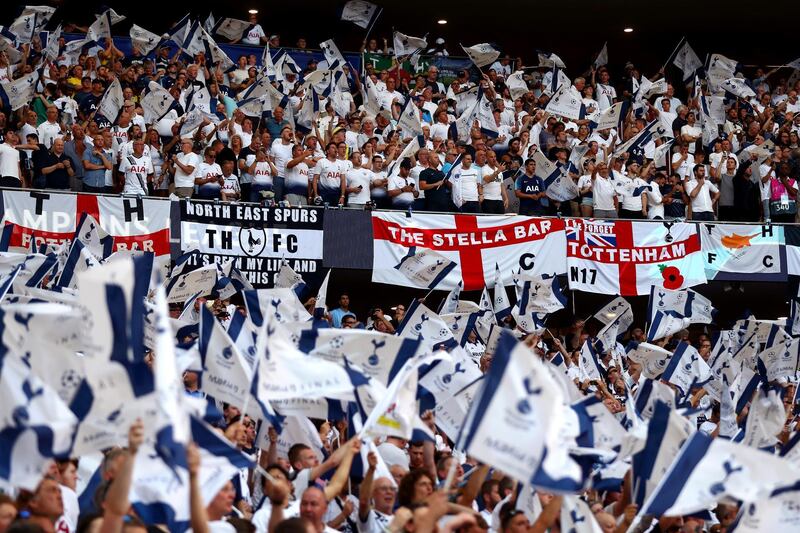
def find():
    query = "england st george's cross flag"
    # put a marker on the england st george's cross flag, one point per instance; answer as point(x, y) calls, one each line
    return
point(627, 258)
point(475, 243)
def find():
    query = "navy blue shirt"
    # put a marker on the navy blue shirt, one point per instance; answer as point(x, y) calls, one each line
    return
point(530, 185)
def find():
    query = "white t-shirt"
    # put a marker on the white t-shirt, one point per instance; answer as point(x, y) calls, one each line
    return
point(465, 184)
point(376, 522)
point(68, 522)
point(297, 179)
point(404, 199)
point(416, 170)
point(493, 189)
point(378, 192)
point(685, 170)
point(254, 35)
point(605, 96)
point(654, 206)
point(702, 202)
point(281, 154)
point(356, 177)
point(261, 517)
point(263, 174)
point(230, 185)
point(440, 131)
point(48, 133)
point(9, 160)
point(629, 201)
point(136, 170)
point(603, 194)
point(182, 179)
point(330, 174)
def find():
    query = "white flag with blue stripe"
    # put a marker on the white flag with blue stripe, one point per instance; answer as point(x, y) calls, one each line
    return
point(686, 368)
point(511, 422)
point(425, 268)
point(35, 424)
point(666, 323)
point(226, 375)
point(501, 304)
point(652, 358)
point(708, 471)
point(481, 54)
point(577, 517)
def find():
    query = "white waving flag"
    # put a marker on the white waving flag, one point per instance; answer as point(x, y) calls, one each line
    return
point(226, 373)
point(144, 40)
point(653, 358)
point(666, 323)
point(333, 56)
point(112, 101)
point(567, 102)
point(577, 517)
point(685, 303)
point(686, 60)
point(708, 471)
point(512, 421)
point(20, 91)
point(602, 57)
point(426, 268)
point(406, 45)
point(156, 103)
point(517, 85)
point(232, 29)
point(686, 368)
point(35, 424)
point(360, 13)
point(738, 87)
point(481, 54)
point(423, 324)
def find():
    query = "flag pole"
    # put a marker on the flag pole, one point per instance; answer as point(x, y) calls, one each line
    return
point(372, 24)
point(672, 55)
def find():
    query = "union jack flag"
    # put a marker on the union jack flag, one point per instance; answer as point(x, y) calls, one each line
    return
point(590, 237)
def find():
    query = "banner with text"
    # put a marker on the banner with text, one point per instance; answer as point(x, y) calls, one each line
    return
point(257, 238)
point(475, 243)
point(52, 218)
point(743, 252)
point(627, 258)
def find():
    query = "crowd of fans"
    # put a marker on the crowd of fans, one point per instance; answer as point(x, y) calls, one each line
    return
point(60, 141)
point(299, 492)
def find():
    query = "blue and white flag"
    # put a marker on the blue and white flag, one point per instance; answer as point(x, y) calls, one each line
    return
point(94, 237)
point(686, 369)
point(576, 516)
point(481, 54)
point(738, 87)
point(793, 324)
point(511, 422)
point(281, 305)
point(285, 372)
point(718, 69)
point(360, 13)
point(143, 40)
point(540, 295)
point(445, 378)
point(233, 29)
point(589, 364)
point(425, 268)
point(708, 471)
point(653, 131)
point(616, 309)
point(160, 495)
point(567, 102)
point(549, 60)
point(226, 375)
point(80, 259)
point(685, 59)
point(602, 56)
point(666, 433)
point(666, 323)
point(779, 360)
point(765, 420)
point(321, 302)
point(650, 392)
point(613, 117)
point(421, 323)
point(501, 303)
point(379, 355)
point(686, 303)
point(653, 359)
point(287, 278)
point(406, 45)
point(332, 54)
point(111, 103)
point(450, 303)
point(780, 511)
point(599, 427)
point(35, 424)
